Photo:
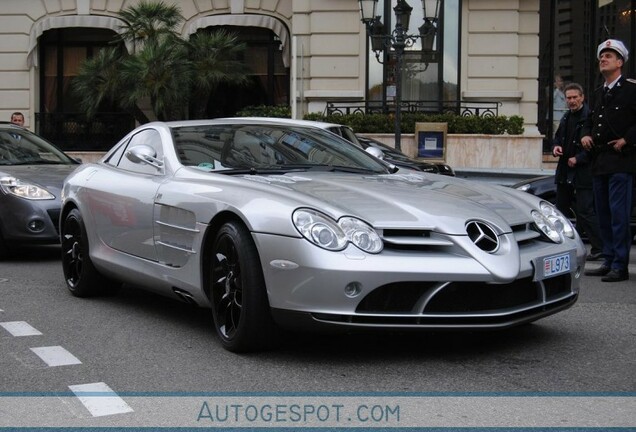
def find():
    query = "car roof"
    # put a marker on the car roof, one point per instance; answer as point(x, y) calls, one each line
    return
point(11, 125)
point(314, 123)
point(269, 120)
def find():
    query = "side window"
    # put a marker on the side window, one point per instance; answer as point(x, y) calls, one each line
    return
point(115, 157)
point(149, 137)
point(348, 134)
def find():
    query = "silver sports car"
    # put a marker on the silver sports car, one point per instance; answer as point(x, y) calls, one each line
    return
point(276, 225)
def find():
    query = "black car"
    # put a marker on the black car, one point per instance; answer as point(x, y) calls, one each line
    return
point(32, 171)
point(545, 187)
point(385, 152)
point(397, 158)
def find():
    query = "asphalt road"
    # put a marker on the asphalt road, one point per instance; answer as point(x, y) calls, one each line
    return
point(137, 342)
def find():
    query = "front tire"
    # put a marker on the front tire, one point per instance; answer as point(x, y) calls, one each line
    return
point(82, 278)
point(4, 249)
point(240, 308)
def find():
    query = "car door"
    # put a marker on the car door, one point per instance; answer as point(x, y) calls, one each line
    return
point(126, 198)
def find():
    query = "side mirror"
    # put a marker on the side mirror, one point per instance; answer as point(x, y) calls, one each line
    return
point(144, 154)
point(374, 151)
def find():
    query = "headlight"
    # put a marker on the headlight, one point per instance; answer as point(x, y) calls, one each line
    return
point(331, 235)
point(25, 190)
point(552, 223)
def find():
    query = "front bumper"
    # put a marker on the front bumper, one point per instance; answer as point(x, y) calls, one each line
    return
point(29, 221)
point(402, 289)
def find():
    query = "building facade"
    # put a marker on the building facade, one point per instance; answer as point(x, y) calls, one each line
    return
point(302, 53)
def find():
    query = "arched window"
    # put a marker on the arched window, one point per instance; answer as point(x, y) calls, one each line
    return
point(61, 52)
point(268, 76)
point(267, 55)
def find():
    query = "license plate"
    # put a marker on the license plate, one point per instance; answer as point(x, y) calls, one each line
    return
point(556, 265)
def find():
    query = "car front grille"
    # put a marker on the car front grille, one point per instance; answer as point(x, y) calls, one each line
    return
point(54, 215)
point(428, 240)
point(459, 304)
point(461, 297)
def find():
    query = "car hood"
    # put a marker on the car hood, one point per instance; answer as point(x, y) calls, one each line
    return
point(406, 200)
point(47, 176)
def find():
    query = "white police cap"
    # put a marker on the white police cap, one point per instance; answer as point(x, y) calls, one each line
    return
point(615, 45)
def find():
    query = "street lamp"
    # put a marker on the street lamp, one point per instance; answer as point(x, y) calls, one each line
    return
point(399, 40)
point(428, 30)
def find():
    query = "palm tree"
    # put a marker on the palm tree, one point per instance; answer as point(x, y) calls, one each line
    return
point(100, 81)
point(97, 79)
point(215, 58)
point(160, 72)
point(163, 68)
point(149, 22)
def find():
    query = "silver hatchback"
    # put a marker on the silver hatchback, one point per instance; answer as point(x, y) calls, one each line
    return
point(32, 171)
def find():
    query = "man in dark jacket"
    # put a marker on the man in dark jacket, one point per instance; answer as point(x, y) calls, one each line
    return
point(610, 137)
point(573, 177)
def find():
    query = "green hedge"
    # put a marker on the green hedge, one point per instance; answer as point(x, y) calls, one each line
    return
point(384, 123)
point(278, 111)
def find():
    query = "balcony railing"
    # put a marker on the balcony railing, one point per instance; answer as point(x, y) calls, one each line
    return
point(74, 131)
point(462, 108)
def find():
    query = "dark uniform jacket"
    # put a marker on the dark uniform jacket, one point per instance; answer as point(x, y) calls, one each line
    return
point(580, 176)
point(613, 117)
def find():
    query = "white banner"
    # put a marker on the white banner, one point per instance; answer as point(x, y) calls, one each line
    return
point(84, 408)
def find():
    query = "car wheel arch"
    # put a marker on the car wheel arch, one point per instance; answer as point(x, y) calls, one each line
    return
point(208, 240)
point(235, 286)
point(68, 207)
point(81, 276)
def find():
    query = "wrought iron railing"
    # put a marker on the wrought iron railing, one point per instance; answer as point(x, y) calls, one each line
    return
point(74, 131)
point(462, 108)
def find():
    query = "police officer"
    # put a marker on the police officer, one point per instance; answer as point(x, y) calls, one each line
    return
point(610, 137)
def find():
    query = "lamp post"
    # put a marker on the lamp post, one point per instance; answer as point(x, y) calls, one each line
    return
point(399, 40)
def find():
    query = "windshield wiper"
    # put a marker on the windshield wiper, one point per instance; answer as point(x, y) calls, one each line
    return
point(39, 162)
point(326, 168)
point(252, 171)
point(349, 169)
point(275, 169)
point(282, 169)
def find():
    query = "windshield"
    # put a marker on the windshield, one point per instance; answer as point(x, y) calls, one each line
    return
point(21, 147)
point(268, 147)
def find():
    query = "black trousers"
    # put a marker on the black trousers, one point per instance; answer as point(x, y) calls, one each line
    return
point(580, 201)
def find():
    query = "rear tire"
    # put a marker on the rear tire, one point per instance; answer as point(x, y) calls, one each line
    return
point(81, 276)
point(240, 308)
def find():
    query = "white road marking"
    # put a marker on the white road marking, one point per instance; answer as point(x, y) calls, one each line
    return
point(56, 356)
point(99, 399)
point(20, 328)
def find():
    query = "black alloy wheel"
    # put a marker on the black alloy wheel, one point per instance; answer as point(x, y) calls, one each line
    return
point(82, 279)
point(239, 300)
